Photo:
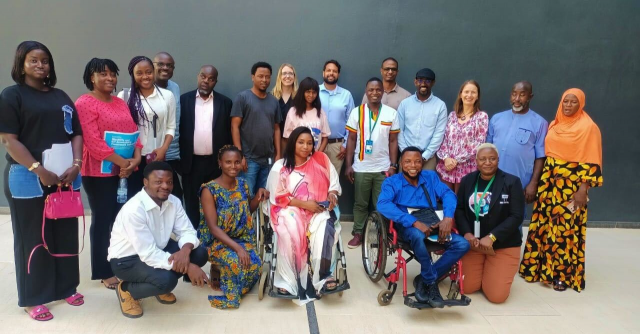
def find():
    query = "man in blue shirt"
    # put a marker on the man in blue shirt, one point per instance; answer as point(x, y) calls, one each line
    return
point(337, 103)
point(403, 197)
point(164, 65)
point(423, 119)
point(519, 135)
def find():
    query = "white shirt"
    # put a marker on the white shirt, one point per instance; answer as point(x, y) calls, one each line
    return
point(360, 122)
point(163, 103)
point(144, 229)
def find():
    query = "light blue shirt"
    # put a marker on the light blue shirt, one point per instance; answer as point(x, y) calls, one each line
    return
point(520, 141)
point(174, 148)
point(337, 104)
point(422, 124)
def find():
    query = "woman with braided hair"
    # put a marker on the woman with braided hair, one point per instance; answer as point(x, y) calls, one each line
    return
point(153, 109)
point(228, 232)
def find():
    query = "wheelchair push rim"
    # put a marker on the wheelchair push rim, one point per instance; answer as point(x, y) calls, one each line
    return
point(374, 247)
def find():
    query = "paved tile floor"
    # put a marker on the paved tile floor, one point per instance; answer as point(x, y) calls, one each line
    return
point(608, 305)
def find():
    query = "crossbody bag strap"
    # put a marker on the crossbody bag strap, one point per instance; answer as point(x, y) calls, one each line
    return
point(428, 197)
point(46, 247)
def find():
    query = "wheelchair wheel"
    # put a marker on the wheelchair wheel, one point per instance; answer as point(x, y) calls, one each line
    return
point(263, 280)
point(374, 247)
point(385, 297)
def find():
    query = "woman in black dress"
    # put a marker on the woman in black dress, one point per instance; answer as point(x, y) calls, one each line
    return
point(33, 116)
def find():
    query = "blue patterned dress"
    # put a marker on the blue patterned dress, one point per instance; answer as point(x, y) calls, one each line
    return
point(234, 218)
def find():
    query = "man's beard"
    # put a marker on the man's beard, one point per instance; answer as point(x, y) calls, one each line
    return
point(330, 82)
point(406, 174)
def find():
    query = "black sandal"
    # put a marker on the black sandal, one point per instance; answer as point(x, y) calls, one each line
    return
point(214, 280)
point(559, 285)
point(330, 284)
point(110, 286)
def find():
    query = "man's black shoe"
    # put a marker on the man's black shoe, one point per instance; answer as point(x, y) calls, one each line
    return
point(429, 294)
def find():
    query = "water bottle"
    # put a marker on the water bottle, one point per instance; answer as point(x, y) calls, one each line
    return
point(122, 191)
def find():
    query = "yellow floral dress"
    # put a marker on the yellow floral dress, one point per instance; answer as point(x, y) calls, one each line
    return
point(234, 218)
point(555, 245)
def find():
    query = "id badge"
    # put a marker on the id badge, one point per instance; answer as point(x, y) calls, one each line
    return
point(368, 147)
point(476, 229)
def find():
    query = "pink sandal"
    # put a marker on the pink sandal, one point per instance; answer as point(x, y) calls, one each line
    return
point(39, 310)
point(75, 299)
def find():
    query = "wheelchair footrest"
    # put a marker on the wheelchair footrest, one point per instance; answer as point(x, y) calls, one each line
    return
point(276, 294)
point(410, 301)
point(342, 287)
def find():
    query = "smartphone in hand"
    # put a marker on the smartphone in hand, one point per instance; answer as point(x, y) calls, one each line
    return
point(323, 204)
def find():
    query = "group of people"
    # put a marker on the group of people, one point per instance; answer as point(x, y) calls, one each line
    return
point(201, 163)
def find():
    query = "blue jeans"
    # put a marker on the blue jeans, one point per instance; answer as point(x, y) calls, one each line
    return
point(455, 249)
point(256, 175)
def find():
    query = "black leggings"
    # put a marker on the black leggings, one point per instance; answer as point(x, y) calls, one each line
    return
point(101, 192)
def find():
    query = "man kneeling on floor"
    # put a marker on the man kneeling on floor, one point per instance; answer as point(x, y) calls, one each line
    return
point(142, 253)
point(410, 200)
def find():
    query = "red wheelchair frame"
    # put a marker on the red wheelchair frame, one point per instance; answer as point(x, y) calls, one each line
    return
point(455, 297)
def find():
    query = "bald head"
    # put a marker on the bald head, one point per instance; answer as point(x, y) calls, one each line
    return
point(521, 95)
point(164, 66)
point(207, 80)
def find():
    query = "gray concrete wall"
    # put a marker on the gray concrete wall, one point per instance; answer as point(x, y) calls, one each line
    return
point(591, 44)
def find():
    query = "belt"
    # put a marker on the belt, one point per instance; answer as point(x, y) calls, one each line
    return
point(335, 140)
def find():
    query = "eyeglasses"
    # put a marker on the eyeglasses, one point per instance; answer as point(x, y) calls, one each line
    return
point(424, 81)
point(392, 69)
point(163, 65)
point(488, 159)
point(288, 74)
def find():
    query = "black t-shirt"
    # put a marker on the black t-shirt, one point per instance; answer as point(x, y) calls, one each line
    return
point(37, 117)
point(284, 110)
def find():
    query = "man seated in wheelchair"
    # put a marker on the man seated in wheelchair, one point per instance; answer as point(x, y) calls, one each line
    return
point(304, 190)
point(410, 200)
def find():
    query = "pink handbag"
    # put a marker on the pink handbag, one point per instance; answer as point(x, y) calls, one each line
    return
point(60, 205)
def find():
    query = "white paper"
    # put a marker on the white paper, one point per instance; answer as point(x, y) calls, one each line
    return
point(58, 159)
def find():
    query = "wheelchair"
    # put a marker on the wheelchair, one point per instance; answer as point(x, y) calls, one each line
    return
point(267, 246)
point(380, 240)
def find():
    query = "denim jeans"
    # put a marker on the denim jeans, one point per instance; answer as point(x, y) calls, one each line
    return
point(256, 175)
point(455, 249)
point(143, 281)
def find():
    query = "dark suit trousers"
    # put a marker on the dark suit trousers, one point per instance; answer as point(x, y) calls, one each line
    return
point(203, 169)
point(177, 187)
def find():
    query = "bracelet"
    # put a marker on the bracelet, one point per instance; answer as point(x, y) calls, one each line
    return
point(78, 160)
point(78, 165)
point(492, 237)
point(334, 195)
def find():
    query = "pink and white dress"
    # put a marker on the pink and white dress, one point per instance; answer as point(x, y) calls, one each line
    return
point(306, 241)
point(460, 143)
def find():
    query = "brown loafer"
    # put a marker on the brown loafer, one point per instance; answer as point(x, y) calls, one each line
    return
point(130, 307)
point(166, 299)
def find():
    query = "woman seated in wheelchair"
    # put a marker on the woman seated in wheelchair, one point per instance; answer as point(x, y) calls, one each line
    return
point(304, 190)
point(227, 230)
point(410, 200)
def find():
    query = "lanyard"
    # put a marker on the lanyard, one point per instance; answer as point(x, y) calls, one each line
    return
point(371, 118)
point(476, 203)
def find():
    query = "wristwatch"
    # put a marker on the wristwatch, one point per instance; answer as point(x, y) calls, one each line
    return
point(394, 165)
point(34, 166)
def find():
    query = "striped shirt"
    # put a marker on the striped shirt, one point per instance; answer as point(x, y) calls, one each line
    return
point(377, 129)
